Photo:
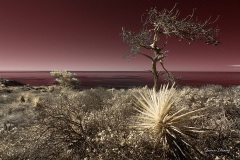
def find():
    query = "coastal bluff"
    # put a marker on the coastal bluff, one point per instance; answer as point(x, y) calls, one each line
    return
point(5, 82)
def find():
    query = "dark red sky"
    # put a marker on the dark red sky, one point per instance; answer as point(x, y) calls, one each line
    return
point(83, 35)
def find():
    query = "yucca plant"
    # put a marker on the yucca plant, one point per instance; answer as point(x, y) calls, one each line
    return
point(156, 116)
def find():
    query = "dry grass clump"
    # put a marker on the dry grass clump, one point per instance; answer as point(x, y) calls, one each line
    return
point(26, 97)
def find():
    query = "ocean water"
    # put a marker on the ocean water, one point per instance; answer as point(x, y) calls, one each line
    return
point(125, 79)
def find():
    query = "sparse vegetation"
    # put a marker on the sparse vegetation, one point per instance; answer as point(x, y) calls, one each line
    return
point(97, 123)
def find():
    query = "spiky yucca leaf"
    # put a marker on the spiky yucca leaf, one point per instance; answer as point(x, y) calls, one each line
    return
point(170, 131)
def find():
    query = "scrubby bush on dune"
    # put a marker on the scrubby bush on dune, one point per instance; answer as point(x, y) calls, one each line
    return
point(221, 118)
point(7, 97)
point(66, 78)
point(71, 130)
point(67, 129)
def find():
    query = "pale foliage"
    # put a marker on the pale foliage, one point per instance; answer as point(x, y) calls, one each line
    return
point(169, 128)
point(66, 78)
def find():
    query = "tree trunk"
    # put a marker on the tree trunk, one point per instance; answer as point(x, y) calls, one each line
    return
point(155, 75)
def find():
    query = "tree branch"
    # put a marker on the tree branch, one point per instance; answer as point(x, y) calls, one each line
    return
point(149, 57)
point(164, 45)
point(161, 62)
point(146, 47)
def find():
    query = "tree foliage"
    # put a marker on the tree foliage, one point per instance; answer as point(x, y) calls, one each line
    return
point(169, 23)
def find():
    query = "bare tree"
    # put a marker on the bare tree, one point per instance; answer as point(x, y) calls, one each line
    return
point(167, 23)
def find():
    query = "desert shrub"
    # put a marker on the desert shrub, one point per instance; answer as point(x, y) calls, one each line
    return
point(89, 99)
point(222, 140)
point(5, 90)
point(220, 119)
point(212, 89)
point(66, 78)
point(8, 98)
point(9, 149)
point(95, 99)
point(3, 98)
point(191, 98)
point(70, 131)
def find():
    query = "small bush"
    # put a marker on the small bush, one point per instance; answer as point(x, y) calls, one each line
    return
point(70, 131)
point(66, 79)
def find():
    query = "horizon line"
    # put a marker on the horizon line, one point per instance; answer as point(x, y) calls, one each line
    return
point(101, 71)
